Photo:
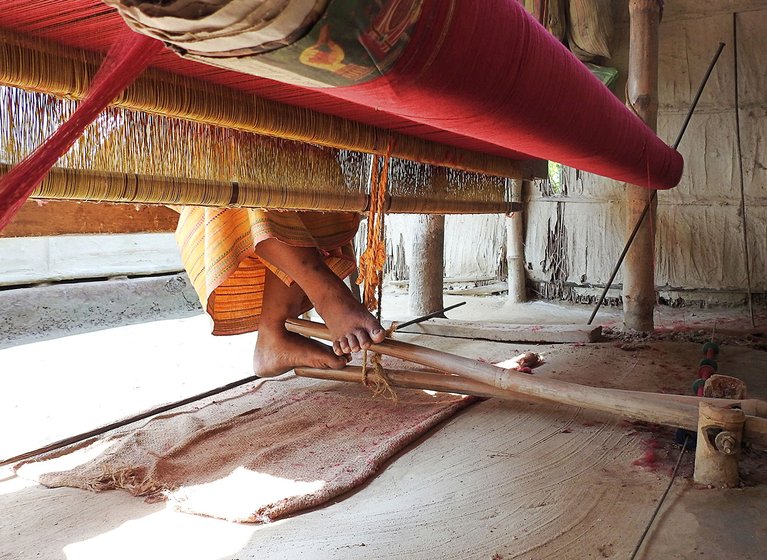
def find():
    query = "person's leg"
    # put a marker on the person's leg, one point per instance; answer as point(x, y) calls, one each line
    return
point(351, 325)
point(278, 350)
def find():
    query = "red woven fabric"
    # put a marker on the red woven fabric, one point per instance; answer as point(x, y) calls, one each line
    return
point(492, 72)
point(487, 78)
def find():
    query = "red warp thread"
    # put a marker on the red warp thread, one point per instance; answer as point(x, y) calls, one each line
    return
point(129, 56)
point(490, 71)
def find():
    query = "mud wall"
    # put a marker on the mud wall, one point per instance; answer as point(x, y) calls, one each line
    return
point(575, 236)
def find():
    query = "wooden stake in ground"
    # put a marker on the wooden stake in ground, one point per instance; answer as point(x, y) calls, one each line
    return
point(427, 265)
point(642, 98)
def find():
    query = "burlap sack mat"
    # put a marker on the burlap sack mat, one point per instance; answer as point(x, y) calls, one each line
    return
point(273, 449)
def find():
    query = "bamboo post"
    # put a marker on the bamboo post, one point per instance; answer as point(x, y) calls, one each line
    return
point(515, 248)
point(642, 98)
point(427, 265)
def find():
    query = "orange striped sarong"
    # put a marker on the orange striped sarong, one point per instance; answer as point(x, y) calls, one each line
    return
point(218, 252)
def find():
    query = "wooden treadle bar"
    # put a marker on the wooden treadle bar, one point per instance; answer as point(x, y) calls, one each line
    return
point(673, 410)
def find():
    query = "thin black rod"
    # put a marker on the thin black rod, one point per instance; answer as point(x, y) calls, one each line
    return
point(655, 193)
point(125, 421)
point(429, 316)
point(695, 100)
point(662, 498)
point(740, 171)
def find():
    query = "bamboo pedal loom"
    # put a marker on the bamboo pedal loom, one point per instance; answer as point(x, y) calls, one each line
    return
point(468, 376)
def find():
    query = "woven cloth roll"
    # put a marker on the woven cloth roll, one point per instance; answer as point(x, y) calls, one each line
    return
point(222, 28)
point(480, 70)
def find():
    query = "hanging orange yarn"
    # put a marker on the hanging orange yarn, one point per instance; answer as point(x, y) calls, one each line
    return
point(373, 258)
point(371, 267)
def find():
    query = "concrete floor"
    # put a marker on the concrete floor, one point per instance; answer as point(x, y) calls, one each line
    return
point(501, 480)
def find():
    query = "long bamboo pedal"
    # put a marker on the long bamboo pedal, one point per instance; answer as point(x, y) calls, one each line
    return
point(504, 332)
point(649, 407)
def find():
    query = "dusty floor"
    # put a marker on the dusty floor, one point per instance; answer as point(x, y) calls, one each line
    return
point(501, 480)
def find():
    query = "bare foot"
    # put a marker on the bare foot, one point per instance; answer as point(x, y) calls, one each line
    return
point(278, 351)
point(352, 326)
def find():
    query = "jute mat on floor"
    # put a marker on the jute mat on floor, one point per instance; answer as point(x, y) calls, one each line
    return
point(285, 445)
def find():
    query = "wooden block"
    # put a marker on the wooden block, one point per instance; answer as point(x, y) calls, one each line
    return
point(486, 290)
point(504, 332)
point(68, 217)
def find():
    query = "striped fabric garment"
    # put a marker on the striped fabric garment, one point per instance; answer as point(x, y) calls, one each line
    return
point(218, 252)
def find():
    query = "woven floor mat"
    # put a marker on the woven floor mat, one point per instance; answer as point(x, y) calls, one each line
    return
point(282, 446)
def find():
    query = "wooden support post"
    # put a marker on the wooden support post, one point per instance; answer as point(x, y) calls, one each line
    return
point(515, 248)
point(642, 97)
point(720, 431)
point(427, 265)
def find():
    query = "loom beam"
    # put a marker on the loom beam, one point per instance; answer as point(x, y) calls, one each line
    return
point(474, 74)
point(60, 184)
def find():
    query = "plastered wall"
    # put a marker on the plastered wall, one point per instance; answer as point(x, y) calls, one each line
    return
point(574, 239)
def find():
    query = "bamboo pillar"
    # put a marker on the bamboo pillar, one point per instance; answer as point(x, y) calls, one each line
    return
point(427, 265)
point(515, 248)
point(642, 97)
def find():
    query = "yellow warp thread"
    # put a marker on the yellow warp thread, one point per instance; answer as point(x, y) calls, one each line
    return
point(160, 160)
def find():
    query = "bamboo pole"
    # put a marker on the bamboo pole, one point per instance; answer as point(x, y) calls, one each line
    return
point(431, 380)
point(99, 186)
point(642, 98)
point(647, 407)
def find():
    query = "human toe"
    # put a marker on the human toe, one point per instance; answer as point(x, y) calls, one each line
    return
point(354, 344)
point(377, 334)
point(363, 338)
point(336, 362)
point(343, 343)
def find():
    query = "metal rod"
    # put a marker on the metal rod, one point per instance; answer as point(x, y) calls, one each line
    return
point(120, 423)
point(655, 193)
point(423, 318)
point(740, 171)
point(661, 500)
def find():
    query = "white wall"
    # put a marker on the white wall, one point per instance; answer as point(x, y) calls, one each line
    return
point(32, 260)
